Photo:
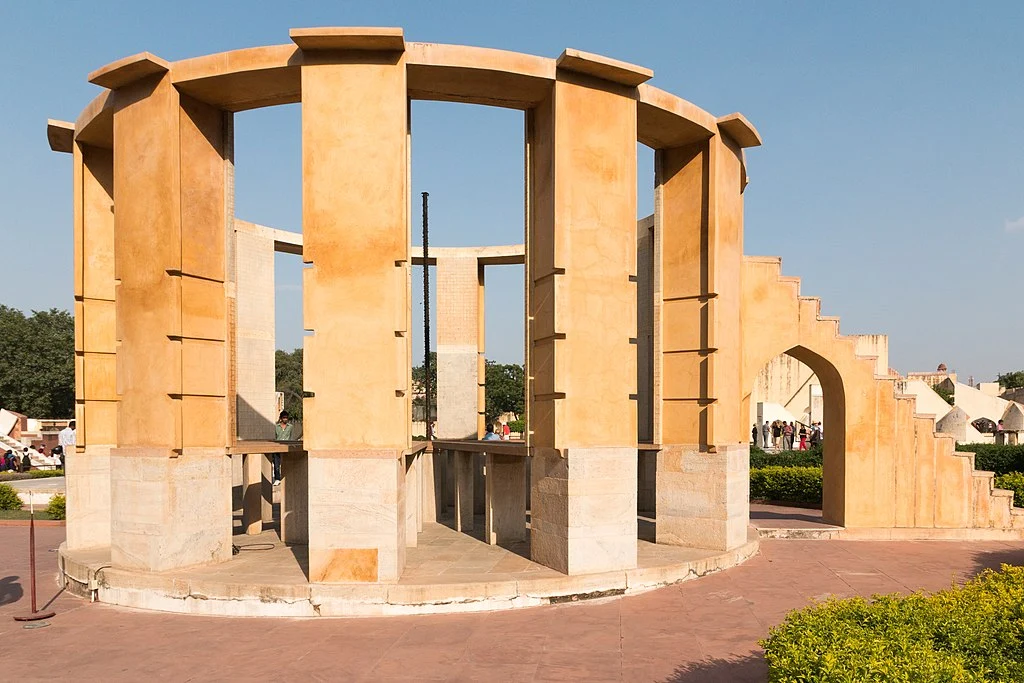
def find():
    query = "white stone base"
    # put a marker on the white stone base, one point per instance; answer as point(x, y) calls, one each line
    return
point(86, 575)
point(583, 510)
point(703, 497)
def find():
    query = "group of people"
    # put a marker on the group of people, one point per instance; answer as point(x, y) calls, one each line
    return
point(781, 435)
point(32, 458)
point(37, 457)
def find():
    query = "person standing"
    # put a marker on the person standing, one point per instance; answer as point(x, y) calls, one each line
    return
point(67, 438)
point(766, 433)
point(282, 432)
point(803, 436)
point(506, 432)
point(754, 432)
point(776, 434)
point(787, 433)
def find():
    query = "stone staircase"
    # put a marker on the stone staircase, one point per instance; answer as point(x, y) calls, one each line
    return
point(9, 444)
point(918, 479)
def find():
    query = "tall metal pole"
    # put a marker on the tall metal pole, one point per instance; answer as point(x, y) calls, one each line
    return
point(36, 615)
point(426, 319)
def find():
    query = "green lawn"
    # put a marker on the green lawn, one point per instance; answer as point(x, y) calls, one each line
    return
point(23, 514)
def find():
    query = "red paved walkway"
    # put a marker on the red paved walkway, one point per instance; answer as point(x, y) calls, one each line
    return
point(703, 630)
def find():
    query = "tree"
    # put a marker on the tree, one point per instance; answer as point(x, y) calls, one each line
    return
point(288, 380)
point(37, 362)
point(1011, 380)
point(504, 391)
point(944, 392)
point(419, 388)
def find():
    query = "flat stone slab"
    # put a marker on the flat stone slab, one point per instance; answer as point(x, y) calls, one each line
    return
point(784, 522)
point(446, 572)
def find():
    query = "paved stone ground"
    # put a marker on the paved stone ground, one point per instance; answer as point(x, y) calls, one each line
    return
point(764, 516)
point(705, 630)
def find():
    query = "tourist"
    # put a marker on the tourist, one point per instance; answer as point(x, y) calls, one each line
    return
point(7, 462)
point(803, 436)
point(66, 439)
point(776, 434)
point(282, 432)
point(815, 435)
point(787, 436)
point(491, 436)
point(754, 432)
point(766, 433)
point(26, 460)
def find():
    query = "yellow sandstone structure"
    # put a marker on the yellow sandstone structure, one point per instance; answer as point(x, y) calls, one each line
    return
point(656, 355)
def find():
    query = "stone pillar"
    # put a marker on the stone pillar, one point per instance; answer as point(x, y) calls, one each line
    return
point(460, 352)
point(505, 517)
point(581, 246)
point(88, 468)
point(702, 478)
point(357, 409)
point(412, 501)
point(252, 493)
point(255, 400)
point(170, 477)
point(465, 488)
point(295, 498)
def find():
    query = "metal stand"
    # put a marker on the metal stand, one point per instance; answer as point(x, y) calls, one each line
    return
point(35, 615)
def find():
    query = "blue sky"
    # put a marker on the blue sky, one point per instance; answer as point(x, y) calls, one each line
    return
point(891, 179)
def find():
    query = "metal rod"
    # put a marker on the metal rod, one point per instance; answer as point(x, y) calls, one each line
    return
point(426, 318)
point(32, 556)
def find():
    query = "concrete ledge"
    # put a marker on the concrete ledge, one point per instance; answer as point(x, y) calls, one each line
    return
point(87, 573)
point(894, 534)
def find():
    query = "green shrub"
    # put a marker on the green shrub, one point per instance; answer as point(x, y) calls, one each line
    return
point(57, 507)
point(9, 498)
point(1012, 481)
point(808, 458)
point(992, 458)
point(517, 425)
point(786, 484)
point(973, 633)
point(31, 474)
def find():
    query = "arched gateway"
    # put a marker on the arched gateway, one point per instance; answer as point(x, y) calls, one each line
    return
point(154, 285)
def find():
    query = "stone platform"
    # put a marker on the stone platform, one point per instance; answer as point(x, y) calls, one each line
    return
point(783, 522)
point(447, 571)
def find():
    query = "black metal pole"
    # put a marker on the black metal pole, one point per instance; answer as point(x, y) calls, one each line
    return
point(426, 320)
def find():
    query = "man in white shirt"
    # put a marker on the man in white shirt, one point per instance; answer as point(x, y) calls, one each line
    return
point(66, 439)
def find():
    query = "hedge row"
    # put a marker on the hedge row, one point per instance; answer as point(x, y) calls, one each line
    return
point(31, 474)
point(1012, 481)
point(992, 458)
point(809, 458)
point(973, 633)
point(786, 484)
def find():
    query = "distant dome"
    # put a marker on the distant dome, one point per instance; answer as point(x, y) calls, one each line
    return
point(941, 368)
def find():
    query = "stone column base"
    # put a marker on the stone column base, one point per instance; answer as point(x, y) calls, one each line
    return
point(583, 510)
point(465, 489)
point(703, 498)
point(505, 517)
point(357, 520)
point(87, 480)
point(169, 512)
point(295, 498)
